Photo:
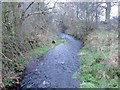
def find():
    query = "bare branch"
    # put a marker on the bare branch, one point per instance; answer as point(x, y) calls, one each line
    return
point(28, 7)
point(30, 14)
point(113, 4)
point(23, 13)
point(48, 2)
point(103, 7)
point(42, 11)
point(6, 57)
point(53, 6)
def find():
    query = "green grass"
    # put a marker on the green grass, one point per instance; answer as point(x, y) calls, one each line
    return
point(96, 70)
point(38, 51)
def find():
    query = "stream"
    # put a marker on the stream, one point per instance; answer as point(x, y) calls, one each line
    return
point(56, 67)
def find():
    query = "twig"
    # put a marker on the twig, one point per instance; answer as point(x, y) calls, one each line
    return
point(4, 24)
point(48, 2)
point(53, 6)
point(30, 14)
point(23, 13)
point(6, 56)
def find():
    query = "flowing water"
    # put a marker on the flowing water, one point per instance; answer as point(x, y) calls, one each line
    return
point(56, 68)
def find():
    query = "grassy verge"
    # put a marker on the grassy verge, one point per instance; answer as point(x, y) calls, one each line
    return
point(38, 51)
point(16, 67)
point(99, 61)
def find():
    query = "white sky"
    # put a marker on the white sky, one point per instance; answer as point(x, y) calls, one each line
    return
point(114, 11)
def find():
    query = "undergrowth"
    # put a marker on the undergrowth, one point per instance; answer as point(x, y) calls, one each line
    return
point(99, 61)
point(15, 68)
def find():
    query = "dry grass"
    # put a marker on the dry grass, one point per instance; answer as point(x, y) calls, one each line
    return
point(104, 42)
point(99, 64)
point(14, 68)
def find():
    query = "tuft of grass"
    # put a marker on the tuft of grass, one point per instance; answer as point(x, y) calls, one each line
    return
point(88, 85)
point(76, 75)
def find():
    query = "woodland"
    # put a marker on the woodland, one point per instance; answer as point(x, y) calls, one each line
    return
point(30, 29)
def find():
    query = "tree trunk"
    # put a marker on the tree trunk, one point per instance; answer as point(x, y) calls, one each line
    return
point(96, 14)
point(77, 10)
point(108, 10)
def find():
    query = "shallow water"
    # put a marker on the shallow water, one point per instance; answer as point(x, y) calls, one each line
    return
point(56, 68)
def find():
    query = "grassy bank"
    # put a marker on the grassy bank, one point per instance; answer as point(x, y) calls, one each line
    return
point(99, 60)
point(16, 67)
